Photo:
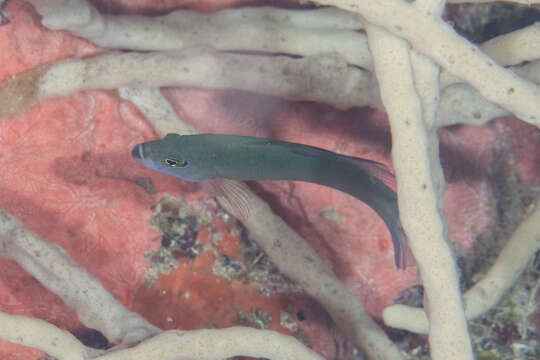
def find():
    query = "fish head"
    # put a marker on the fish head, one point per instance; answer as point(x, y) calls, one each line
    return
point(176, 155)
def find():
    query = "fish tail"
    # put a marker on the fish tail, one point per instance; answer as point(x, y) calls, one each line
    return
point(402, 253)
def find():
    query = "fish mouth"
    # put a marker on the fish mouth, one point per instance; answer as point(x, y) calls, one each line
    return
point(137, 152)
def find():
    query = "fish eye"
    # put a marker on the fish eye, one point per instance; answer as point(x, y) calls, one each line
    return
point(170, 162)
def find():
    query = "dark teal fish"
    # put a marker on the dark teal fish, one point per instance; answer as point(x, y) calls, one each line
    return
point(206, 157)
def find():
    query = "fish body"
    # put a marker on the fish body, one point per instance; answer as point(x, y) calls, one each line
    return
point(205, 157)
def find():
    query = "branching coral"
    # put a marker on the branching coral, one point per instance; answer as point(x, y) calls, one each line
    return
point(407, 43)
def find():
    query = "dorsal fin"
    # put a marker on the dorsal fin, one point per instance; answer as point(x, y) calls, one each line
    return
point(374, 168)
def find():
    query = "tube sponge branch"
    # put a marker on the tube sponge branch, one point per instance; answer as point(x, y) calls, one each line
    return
point(97, 309)
point(441, 43)
point(57, 271)
point(323, 78)
point(408, 62)
point(487, 292)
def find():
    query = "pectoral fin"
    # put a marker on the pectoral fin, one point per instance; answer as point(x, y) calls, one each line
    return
point(233, 195)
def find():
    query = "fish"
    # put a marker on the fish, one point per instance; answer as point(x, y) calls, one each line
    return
point(216, 158)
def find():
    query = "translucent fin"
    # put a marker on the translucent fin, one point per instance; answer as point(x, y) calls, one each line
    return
point(409, 258)
point(378, 170)
point(403, 256)
point(232, 195)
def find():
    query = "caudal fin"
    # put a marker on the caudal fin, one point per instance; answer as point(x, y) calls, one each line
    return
point(402, 253)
